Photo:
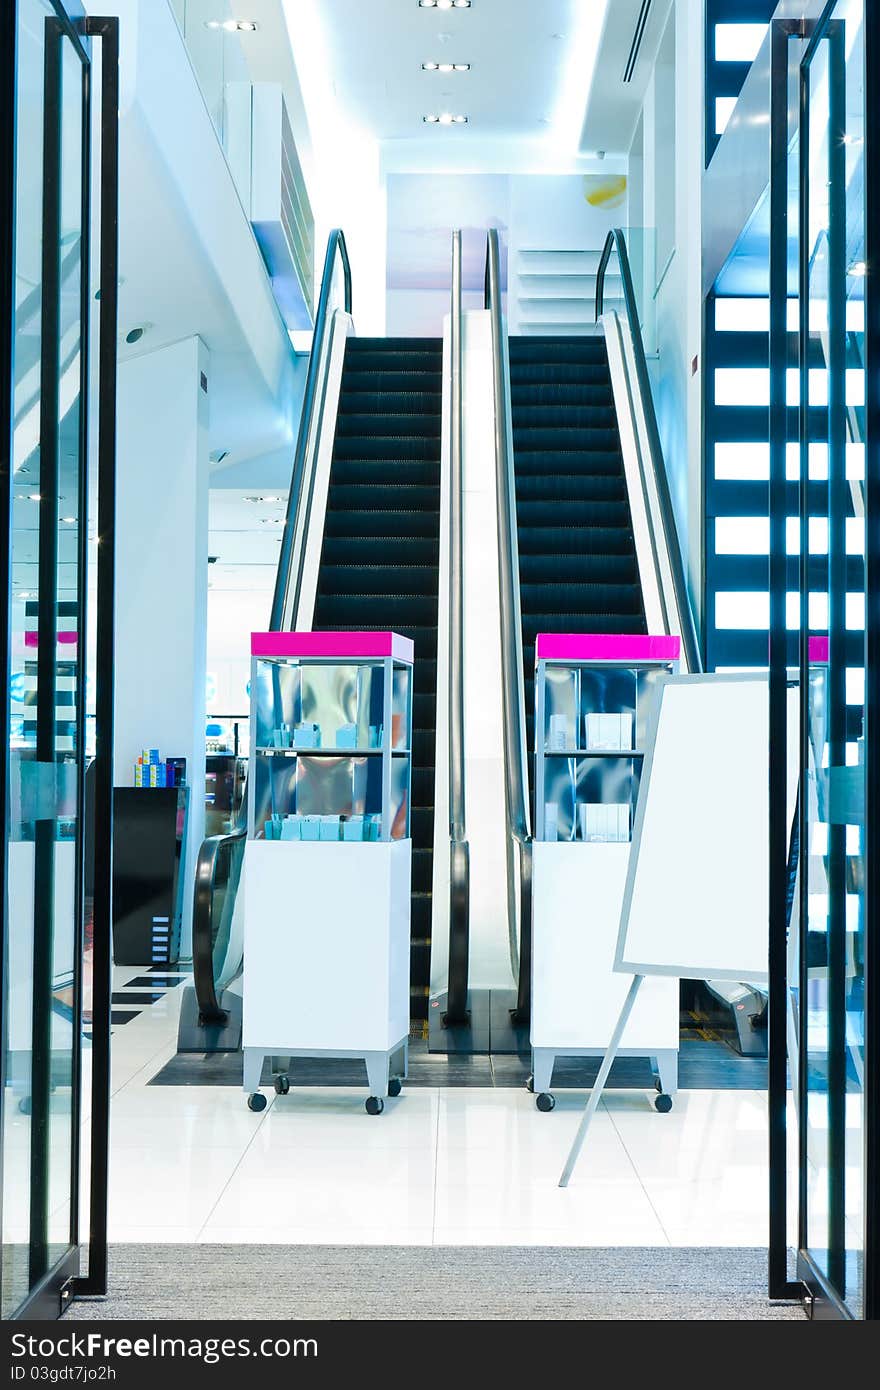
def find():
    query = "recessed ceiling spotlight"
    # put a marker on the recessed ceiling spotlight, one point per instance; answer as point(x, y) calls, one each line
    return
point(69, 520)
point(34, 497)
point(232, 26)
point(444, 4)
point(859, 269)
point(445, 119)
point(272, 521)
point(446, 67)
point(263, 499)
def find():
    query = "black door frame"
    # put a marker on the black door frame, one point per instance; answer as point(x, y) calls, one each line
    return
point(54, 1286)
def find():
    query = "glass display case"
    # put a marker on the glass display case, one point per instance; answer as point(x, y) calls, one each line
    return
point(331, 738)
point(593, 705)
point(593, 698)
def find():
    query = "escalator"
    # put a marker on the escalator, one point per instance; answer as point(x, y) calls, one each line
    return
point(378, 570)
point(587, 538)
point(380, 560)
point(578, 570)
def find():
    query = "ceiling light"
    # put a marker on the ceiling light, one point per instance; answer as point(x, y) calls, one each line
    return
point(444, 4)
point(263, 499)
point(272, 520)
point(232, 26)
point(445, 119)
point(859, 270)
point(446, 67)
point(34, 497)
point(69, 520)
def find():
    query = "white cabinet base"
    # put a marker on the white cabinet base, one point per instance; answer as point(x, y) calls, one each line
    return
point(326, 954)
point(577, 996)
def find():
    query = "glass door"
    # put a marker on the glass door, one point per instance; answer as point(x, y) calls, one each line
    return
point(45, 299)
point(832, 956)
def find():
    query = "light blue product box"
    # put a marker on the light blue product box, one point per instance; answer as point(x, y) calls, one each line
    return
point(154, 756)
point(330, 828)
point(285, 736)
point(269, 829)
point(346, 736)
point(310, 828)
point(307, 736)
point(291, 828)
point(353, 828)
point(372, 827)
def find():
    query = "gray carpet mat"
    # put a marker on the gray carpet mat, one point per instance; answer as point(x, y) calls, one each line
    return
point(257, 1282)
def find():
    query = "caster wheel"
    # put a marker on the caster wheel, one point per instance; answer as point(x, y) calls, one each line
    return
point(282, 1085)
point(394, 1086)
point(545, 1101)
point(530, 1084)
point(374, 1105)
point(257, 1101)
point(663, 1104)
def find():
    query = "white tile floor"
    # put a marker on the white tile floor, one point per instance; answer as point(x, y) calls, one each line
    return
point(440, 1166)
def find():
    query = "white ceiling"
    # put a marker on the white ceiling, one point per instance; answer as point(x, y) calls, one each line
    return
point(530, 67)
point(614, 105)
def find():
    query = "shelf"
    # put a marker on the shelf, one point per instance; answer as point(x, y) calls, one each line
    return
point(334, 752)
point(594, 753)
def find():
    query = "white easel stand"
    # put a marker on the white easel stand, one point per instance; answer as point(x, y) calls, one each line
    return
point(599, 1083)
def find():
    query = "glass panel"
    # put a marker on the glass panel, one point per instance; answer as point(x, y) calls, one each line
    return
point(835, 807)
point(44, 906)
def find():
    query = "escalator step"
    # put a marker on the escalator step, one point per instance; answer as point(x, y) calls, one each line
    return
point(592, 567)
point(577, 417)
point(424, 404)
point(563, 439)
point(425, 472)
point(344, 520)
point(542, 541)
point(407, 382)
point(558, 374)
point(387, 426)
point(603, 508)
point(373, 550)
point(342, 580)
point(386, 446)
point(573, 468)
point(550, 393)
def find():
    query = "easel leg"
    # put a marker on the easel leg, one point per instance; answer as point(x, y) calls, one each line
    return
point(599, 1084)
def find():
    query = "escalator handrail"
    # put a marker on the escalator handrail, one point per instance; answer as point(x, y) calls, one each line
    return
point(210, 1009)
point(519, 832)
point(281, 600)
point(457, 979)
point(616, 240)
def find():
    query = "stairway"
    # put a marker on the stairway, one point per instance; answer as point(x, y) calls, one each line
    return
point(577, 561)
point(554, 291)
point(380, 559)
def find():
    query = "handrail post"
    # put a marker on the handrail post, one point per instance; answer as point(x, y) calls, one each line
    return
point(459, 924)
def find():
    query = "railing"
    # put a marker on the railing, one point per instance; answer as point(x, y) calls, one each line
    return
point(616, 241)
point(518, 829)
point(459, 863)
point(212, 964)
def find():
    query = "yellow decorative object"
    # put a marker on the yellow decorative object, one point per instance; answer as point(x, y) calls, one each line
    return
point(605, 190)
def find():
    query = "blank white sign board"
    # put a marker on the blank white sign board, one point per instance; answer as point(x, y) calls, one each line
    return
point(696, 899)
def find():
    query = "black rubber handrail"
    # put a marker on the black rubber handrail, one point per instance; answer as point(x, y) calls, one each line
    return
point(518, 828)
point(284, 605)
point(459, 855)
point(616, 240)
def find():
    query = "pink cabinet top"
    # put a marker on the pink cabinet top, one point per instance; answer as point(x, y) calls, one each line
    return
point(605, 646)
point(339, 646)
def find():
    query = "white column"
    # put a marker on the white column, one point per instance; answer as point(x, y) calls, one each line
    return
point(162, 573)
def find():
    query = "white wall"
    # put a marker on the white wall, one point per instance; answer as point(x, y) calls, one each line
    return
point(162, 571)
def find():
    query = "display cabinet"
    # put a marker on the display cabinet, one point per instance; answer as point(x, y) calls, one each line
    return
point(328, 859)
point(593, 697)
